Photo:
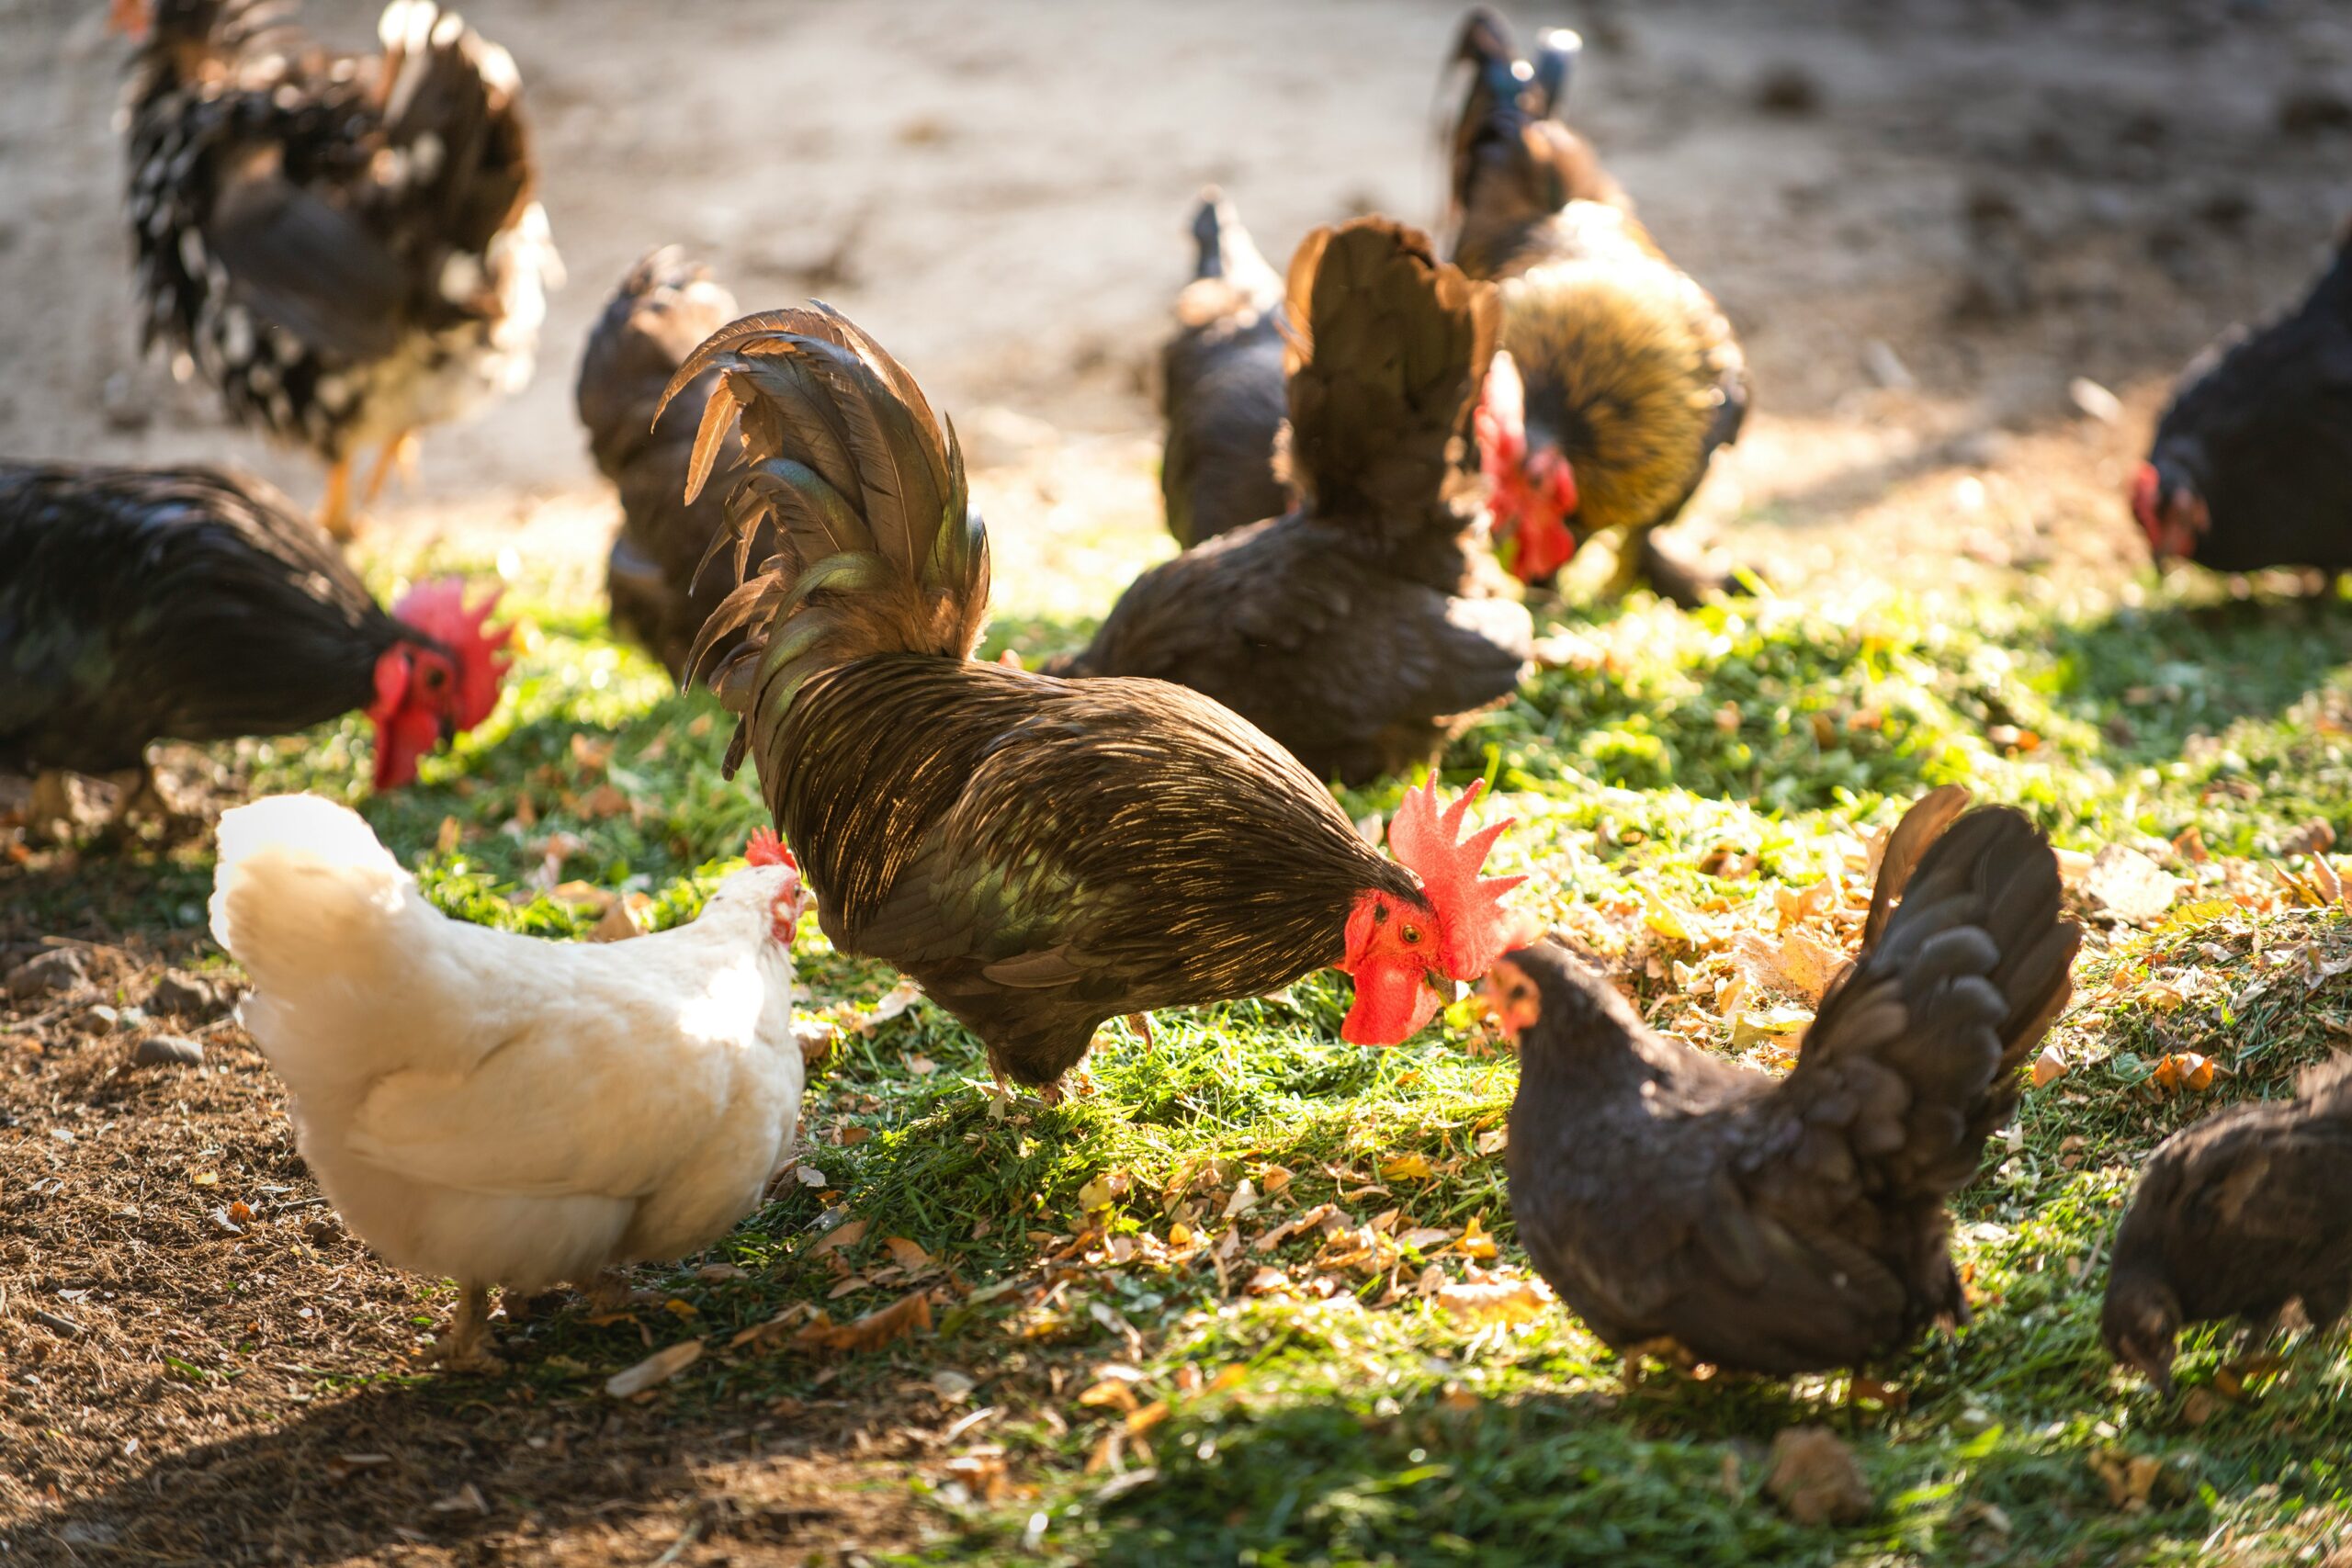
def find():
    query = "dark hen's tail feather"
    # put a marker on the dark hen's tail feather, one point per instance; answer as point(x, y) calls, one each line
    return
point(1977, 936)
point(878, 548)
point(1388, 347)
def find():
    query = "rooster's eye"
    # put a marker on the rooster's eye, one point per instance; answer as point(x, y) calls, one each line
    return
point(434, 679)
point(1412, 933)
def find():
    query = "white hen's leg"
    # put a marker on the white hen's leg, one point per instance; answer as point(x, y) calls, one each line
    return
point(463, 1348)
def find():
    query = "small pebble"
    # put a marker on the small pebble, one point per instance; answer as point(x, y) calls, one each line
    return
point(179, 995)
point(169, 1051)
point(61, 969)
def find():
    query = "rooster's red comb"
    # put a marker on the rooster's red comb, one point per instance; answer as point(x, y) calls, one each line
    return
point(766, 849)
point(438, 609)
point(1477, 928)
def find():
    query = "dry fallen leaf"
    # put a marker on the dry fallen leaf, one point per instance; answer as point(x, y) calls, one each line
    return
point(1494, 1301)
point(1423, 1238)
point(451, 833)
point(1407, 1167)
point(2127, 885)
point(1244, 1198)
point(2049, 1066)
point(1111, 1392)
point(658, 1368)
point(2129, 1478)
point(908, 1314)
point(1495, 1141)
point(894, 1001)
point(2184, 1070)
point(841, 1235)
point(904, 1253)
point(1476, 1240)
point(1813, 1476)
point(625, 917)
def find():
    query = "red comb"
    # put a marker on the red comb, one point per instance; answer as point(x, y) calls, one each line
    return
point(438, 610)
point(766, 849)
point(1477, 929)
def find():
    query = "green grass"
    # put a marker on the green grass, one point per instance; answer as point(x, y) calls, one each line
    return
point(1364, 1423)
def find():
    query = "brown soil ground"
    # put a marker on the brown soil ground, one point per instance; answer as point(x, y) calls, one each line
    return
point(1935, 220)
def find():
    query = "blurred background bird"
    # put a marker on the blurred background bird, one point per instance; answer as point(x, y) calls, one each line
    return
point(1688, 1206)
point(145, 605)
point(660, 577)
point(1041, 856)
point(2252, 462)
point(2242, 1215)
point(347, 247)
point(500, 1110)
point(1221, 384)
point(1366, 628)
point(1630, 376)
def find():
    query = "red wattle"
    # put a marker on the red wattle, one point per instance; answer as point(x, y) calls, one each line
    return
point(1392, 1005)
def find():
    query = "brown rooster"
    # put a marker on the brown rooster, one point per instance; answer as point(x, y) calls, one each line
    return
point(346, 246)
point(1222, 385)
point(664, 306)
point(1040, 854)
point(1631, 375)
point(1685, 1205)
point(1362, 629)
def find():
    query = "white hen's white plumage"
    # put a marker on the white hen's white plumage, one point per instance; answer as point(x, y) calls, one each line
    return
point(497, 1109)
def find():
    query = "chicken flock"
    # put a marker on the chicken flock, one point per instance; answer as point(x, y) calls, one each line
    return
point(1372, 463)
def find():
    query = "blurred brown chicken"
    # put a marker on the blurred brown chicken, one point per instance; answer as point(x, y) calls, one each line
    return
point(1363, 629)
point(1688, 1206)
point(347, 246)
point(1222, 376)
point(664, 308)
point(2241, 1214)
point(1632, 377)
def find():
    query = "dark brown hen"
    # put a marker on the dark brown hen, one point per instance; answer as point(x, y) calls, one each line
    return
point(2252, 462)
point(664, 308)
point(1041, 854)
point(1222, 385)
point(1363, 629)
point(346, 246)
point(2237, 1216)
point(1686, 1205)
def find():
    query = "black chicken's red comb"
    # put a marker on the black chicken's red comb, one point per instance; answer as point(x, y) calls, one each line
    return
point(766, 849)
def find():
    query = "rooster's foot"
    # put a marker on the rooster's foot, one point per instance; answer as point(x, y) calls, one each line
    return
point(464, 1349)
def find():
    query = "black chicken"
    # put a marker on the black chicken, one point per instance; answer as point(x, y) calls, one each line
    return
point(141, 604)
point(2237, 1216)
point(1041, 854)
point(665, 307)
point(347, 247)
point(1362, 630)
point(1690, 1207)
point(2252, 465)
point(1222, 385)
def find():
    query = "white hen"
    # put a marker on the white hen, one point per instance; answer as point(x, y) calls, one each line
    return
point(499, 1109)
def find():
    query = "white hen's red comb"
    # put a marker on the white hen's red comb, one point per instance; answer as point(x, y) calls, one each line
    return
point(766, 849)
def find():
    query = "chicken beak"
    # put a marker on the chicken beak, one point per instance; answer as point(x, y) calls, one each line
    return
point(1511, 1000)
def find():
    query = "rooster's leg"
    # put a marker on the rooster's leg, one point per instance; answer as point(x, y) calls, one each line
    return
point(334, 510)
point(1141, 1023)
point(401, 453)
point(463, 1350)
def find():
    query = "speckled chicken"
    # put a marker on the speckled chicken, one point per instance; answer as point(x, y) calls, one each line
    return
point(1366, 628)
point(2238, 1216)
point(1222, 385)
point(1631, 376)
point(347, 247)
point(662, 584)
point(2252, 462)
point(144, 605)
point(1686, 1206)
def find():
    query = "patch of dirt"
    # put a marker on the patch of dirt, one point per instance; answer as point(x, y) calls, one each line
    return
point(203, 1368)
